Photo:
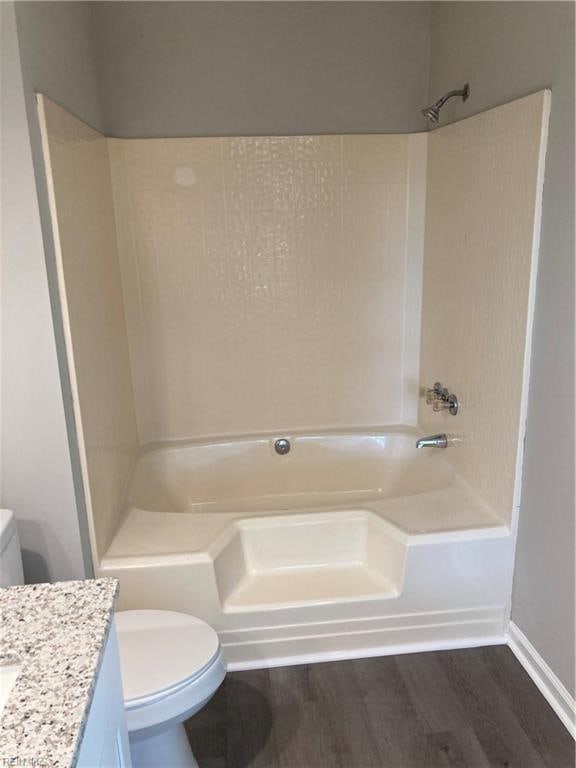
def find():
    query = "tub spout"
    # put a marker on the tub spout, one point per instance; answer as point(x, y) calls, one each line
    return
point(433, 441)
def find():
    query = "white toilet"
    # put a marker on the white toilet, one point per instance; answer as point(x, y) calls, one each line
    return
point(171, 665)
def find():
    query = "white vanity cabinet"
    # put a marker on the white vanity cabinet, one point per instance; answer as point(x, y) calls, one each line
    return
point(105, 740)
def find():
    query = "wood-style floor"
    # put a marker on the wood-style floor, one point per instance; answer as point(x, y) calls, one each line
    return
point(469, 708)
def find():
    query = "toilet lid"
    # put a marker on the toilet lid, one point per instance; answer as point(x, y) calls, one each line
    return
point(162, 649)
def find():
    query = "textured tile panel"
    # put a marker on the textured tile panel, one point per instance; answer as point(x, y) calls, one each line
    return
point(91, 282)
point(480, 219)
point(263, 281)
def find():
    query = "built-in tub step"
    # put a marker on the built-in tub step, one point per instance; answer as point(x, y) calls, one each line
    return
point(313, 558)
point(308, 585)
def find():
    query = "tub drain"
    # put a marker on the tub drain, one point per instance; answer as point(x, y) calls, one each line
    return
point(282, 446)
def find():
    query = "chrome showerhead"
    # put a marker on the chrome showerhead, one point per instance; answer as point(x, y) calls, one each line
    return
point(432, 113)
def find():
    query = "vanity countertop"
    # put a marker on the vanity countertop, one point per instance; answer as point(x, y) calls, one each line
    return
point(57, 633)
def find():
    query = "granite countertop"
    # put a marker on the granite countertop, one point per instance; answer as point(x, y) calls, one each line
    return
point(57, 632)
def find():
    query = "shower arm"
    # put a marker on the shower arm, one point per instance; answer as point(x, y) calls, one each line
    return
point(463, 92)
point(432, 113)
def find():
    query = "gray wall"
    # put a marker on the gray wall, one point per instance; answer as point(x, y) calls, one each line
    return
point(38, 478)
point(192, 69)
point(58, 55)
point(506, 50)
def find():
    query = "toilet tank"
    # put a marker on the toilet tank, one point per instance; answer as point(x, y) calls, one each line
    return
point(10, 557)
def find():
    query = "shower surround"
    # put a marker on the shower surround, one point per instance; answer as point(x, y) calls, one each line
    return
point(221, 293)
point(264, 281)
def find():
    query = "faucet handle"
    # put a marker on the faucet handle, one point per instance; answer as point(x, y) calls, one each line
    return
point(435, 394)
point(446, 402)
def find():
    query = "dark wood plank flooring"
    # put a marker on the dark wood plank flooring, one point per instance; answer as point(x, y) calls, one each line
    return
point(473, 708)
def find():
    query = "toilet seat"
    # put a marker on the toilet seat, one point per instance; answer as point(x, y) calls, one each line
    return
point(171, 666)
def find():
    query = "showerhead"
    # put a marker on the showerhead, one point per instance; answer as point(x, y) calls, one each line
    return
point(432, 113)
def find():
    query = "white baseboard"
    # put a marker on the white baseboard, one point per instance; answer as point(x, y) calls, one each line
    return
point(547, 682)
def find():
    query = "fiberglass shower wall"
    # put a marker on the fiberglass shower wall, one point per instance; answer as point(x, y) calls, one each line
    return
point(484, 201)
point(265, 281)
point(90, 292)
point(238, 285)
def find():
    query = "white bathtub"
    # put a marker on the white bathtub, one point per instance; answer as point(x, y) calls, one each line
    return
point(247, 475)
point(348, 543)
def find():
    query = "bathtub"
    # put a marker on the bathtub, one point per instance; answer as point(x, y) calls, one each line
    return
point(350, 543)
point(247, 476)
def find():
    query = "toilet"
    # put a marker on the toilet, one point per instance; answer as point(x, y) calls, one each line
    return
point(172, 665)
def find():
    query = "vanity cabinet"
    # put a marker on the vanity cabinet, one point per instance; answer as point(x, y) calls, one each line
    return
point(105, 740)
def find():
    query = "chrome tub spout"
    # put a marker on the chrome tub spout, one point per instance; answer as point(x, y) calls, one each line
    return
point(432, 441)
